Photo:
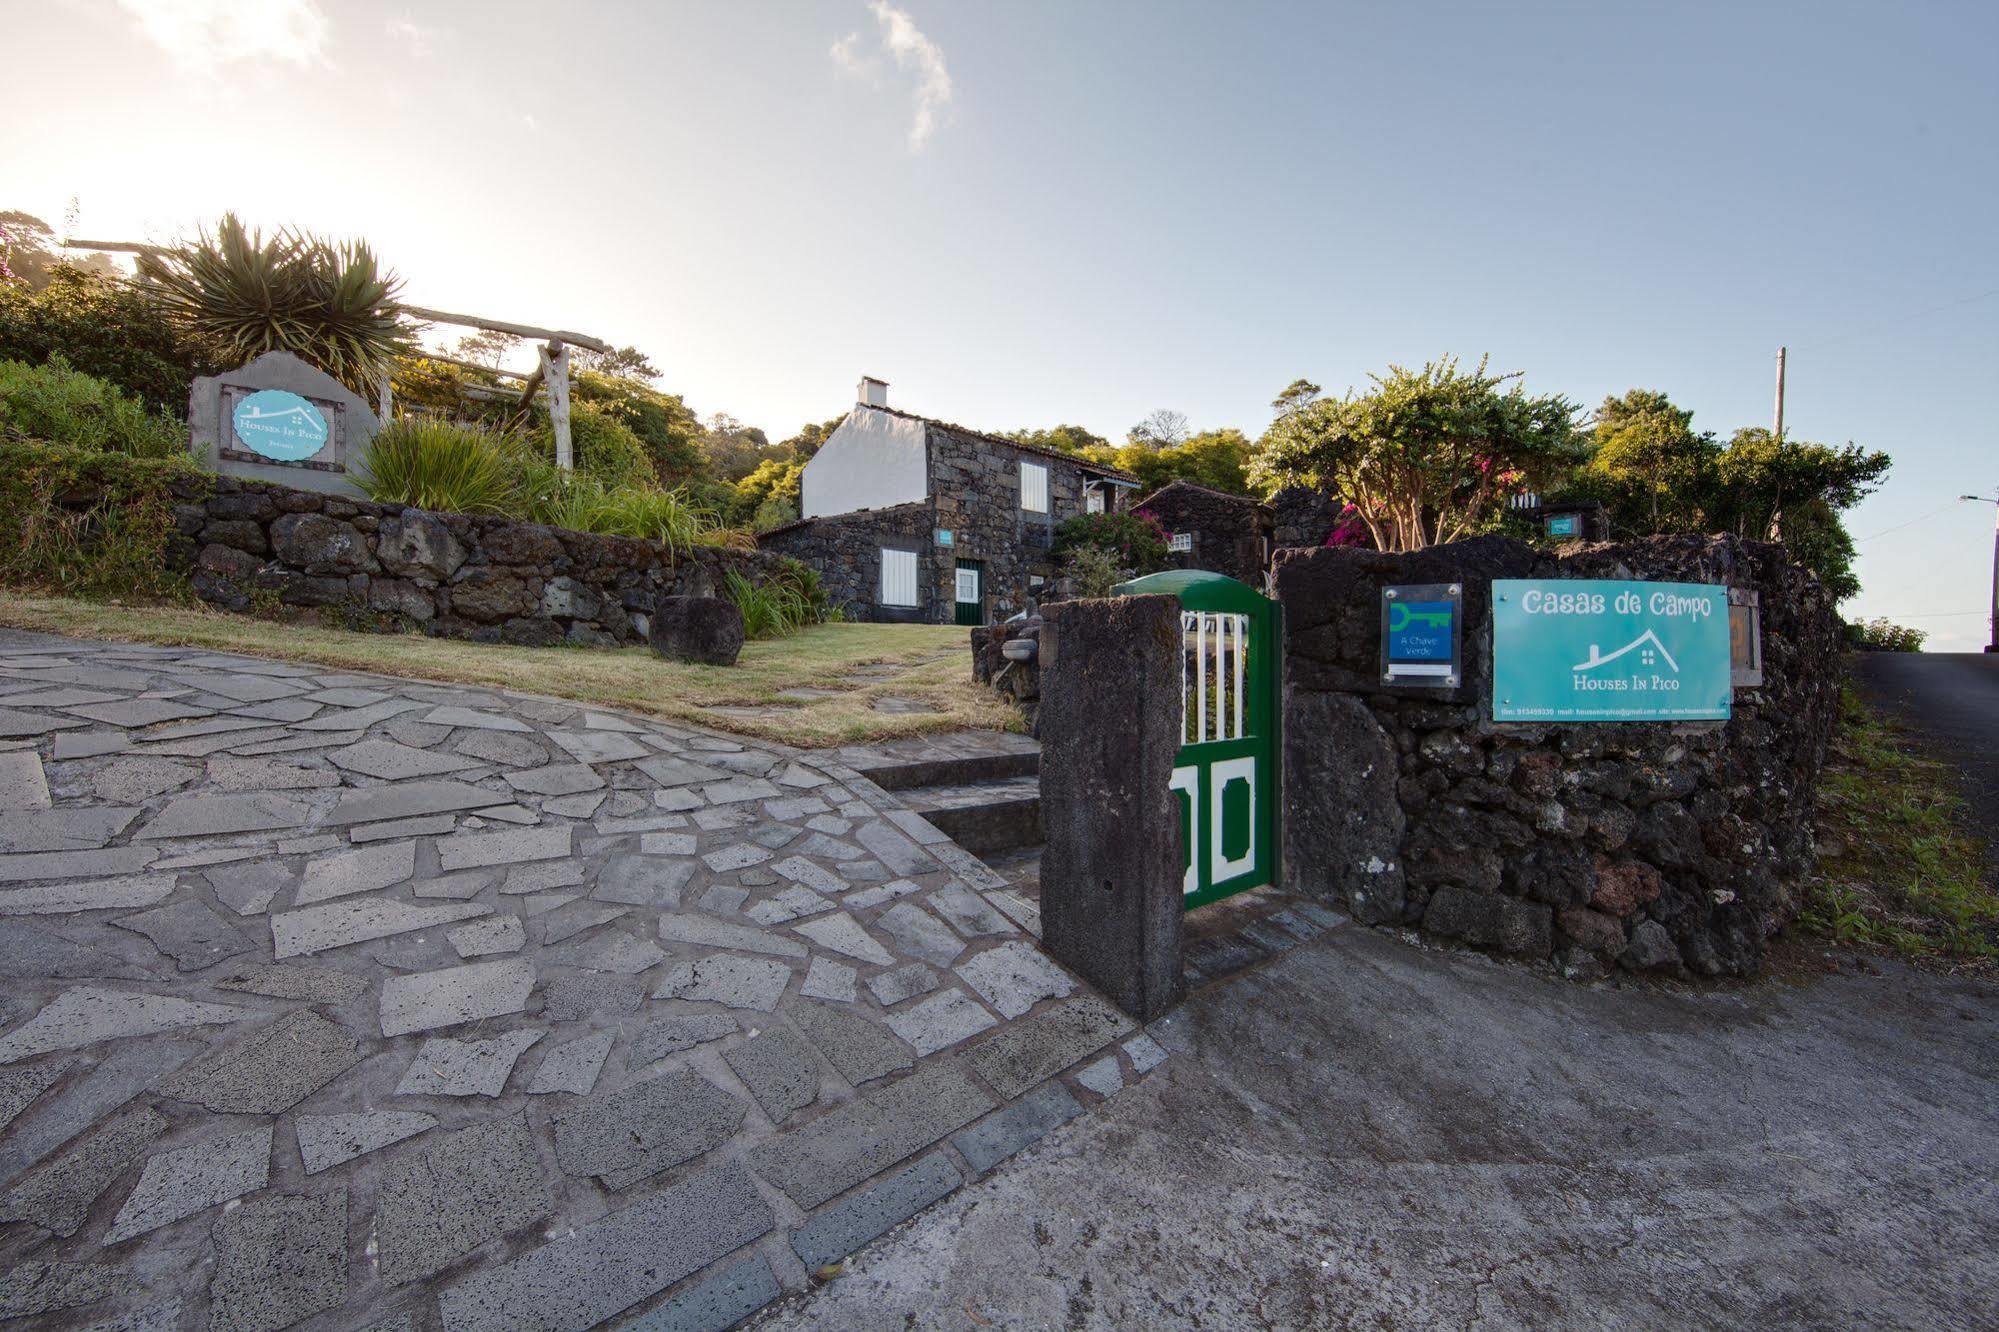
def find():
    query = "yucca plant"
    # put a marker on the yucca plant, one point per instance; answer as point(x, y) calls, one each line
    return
point(439, 466)
point(330, 303)
point(781, 603)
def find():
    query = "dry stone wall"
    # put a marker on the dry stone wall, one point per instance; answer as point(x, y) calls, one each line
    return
point(454, 575)
point(1668, 847)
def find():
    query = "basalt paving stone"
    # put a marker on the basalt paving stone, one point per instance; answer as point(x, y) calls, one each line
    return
point(831, 824)
point(800, 778)
point(316, 985)
point(614, 951)
point(348, 698)
point(573, 1066)
point(902, 856)
point(573, 921)
point(862, 899)
point(788, 905)
point(391, 762)
point(324, 1141)
point(286, 710)
point(237, 742)
point(474, 850)
point(757, 878)
point(600, 746)
point(667, 843)
point(876, 1130)
point(574, 807)
point(723, 899)
point(38, 696)
point(191, 1179)
point(779, 1070)
point(405, 800)
point(1014, 977)
point(800, 870)
point(679, 771)
point(1018, 1126)
point(556, 779)
point(482, 721)
point(137, 712)
point(940, 1021)
point(1103, 1077)
point(233, 727)
point(248, 890)
point(738, 789)
point(540, 904)
point(676, 800)
point(822, 847)
point(367, 870)
point(337, 924)
point(51, 1122)
point(271, 1071)
point(58, 1197)
point(135, 780)
point(640, 880)
point(715, 820)
point(217, 815)
point(291, 744)
point(827, 979)
point(277, 1261)
point(748, 763)
point(611, 1264)
point(968, 913)
point(494, 934)
point(845, 1227)
point(1145, 1053)
point(88, 744)
point(439, 1203)
point(631, 1134)
point(572, 998)
point(457, 886)
point(83, 889)
point(714, 1303)
point(843, 934)
point(32, 951)
point(88, 1014)
point(309, 846)
point(666, 1036)
point(445, 998)
point(39, 1288)
point(14, 723)
point(904, 982)
point(861, 1049)
point(514, 751)
point(1038, 1047)
point(360, 719)
point(255, 774)
point(795, 807)
point(721, 934)
point(535, 878)
point(21, 1087)
point(216, 855)
point(72, 829)
point(919, 934)
point(445, 1067)
point(733, 982)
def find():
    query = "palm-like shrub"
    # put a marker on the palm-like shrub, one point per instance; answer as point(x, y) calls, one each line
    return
point(330, 303)
point(439, 466)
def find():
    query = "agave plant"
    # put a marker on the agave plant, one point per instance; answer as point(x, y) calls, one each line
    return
point(330, 303)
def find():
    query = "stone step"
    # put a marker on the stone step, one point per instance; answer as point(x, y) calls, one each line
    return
point(983, 817)
point(962, 759)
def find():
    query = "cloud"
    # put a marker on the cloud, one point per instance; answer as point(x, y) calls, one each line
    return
point(203, 34)
point(906, 44)
point(415, 38)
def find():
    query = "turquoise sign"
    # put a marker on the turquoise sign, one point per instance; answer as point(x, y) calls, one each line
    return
point(1597, 650)
point(1561, 524)
point(280, 426)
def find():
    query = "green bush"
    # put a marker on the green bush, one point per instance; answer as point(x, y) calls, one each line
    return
point(62, 406)
point(1135, 540)
point(1883, 635)
point(607, 451)
point(86, 522)
point(783, 603)
point(439, 466)
point(650, 514)
point(1093, 571)
point(107, 328)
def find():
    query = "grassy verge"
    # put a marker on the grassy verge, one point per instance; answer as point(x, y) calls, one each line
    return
point(1900, 868)
point(935, 668)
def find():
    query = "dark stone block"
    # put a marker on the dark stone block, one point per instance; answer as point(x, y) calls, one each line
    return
point(1343, 826)
point(1111, 885)
point(706, 630)
point(320, 545)
point(1489, 921)
point(491, 595)
point(240, 533)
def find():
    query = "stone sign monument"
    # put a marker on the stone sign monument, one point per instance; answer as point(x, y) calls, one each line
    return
point(279, 419)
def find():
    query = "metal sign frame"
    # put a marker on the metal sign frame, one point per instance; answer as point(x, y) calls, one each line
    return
point(1408, 653)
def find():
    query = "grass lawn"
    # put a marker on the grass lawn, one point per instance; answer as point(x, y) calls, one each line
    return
point(1900, 865)
point(933, 661)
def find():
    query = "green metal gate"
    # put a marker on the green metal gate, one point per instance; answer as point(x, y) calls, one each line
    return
point(1225, 774)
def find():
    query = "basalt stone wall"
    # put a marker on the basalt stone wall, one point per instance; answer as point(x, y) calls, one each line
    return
point(452, 575)
point(1670, 847)
point(1303, 517)
point(846, 550)
point(1230, 533)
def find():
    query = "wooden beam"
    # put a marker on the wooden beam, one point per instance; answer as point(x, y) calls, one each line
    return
point(500, 326)
point(468, 365)
point(118, 247)
point(489, 393)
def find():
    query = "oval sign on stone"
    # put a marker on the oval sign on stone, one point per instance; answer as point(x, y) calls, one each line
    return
point(280, 425)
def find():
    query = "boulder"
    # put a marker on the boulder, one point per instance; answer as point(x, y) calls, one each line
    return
point(706, 630)
point(489, 596)
point(320, 545)
point(416, 544)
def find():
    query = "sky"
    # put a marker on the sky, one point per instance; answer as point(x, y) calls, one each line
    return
point(1027, 213)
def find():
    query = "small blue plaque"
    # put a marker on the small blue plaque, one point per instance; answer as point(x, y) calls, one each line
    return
point(280, 426)
point(1562, 524)
point(1420, 635)
point(944, 536)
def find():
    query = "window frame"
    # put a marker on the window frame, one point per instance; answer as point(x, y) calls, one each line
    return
point(915, 579)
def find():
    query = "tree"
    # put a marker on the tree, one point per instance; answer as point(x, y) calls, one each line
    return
point(1425, 456)
point(768, 492)
point(102, 326)
point(1646, 458)
point(810, 437)
point(617, 363)
point(1160, 429)
point(1214, 458)
point(1061, 438)
point(731, 449)
point(1298, 393)
point(487, 347)
point(330, 303)
point(665, 425)
point(29, 255)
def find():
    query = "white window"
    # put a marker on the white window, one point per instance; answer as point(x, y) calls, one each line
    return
point(898, 578)
point(1180, 541)
point(1093, 500)
point(968, 585)
point(1034, 487)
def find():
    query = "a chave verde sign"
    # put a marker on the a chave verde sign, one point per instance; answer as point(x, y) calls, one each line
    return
point(1597, 650)
point(280, 426)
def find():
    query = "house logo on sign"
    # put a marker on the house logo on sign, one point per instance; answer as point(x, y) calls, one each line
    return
point(1647, 645)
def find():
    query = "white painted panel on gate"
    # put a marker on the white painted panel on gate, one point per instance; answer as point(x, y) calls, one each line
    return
point(1219, 776)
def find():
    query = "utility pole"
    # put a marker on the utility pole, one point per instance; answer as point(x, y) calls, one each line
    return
point(1778, 433)
point(1993, 644)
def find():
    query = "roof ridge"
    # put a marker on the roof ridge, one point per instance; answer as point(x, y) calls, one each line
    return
point(987, 435)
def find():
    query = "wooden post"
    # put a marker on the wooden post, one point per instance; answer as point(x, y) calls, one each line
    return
point(385, 397)
point(1778, 433)
point(555, 373)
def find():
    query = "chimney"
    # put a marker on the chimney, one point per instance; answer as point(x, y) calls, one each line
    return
point(873, 392)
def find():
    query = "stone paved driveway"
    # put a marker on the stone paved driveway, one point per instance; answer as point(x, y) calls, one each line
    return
point(368, 1004)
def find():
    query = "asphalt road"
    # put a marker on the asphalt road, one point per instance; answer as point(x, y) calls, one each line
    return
point(1950, 702)
point(1364, 1132)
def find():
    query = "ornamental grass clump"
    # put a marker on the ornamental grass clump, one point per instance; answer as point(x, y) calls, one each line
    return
point(442, 467)
point(780, 604)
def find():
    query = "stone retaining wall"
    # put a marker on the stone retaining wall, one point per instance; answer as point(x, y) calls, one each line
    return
point(846, 550)
point(1657, 846)
point(452, 575)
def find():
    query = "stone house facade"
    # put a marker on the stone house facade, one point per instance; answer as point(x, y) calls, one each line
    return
point(1213, 530)
point(916, 520)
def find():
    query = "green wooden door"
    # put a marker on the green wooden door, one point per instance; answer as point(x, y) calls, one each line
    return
point(971, 598)
point(1225, 775)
